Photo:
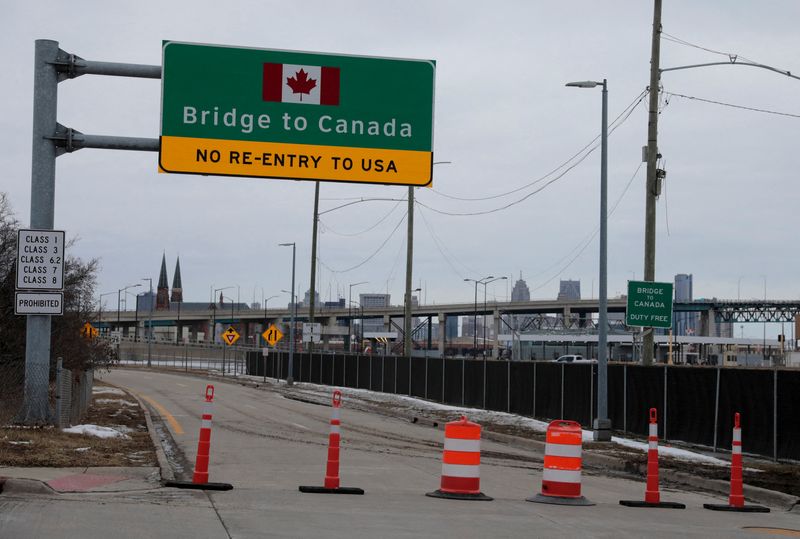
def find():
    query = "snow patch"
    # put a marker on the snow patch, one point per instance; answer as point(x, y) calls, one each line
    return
point(122, 402)
point(504, 418)
point(108, 390)
point(95, 430)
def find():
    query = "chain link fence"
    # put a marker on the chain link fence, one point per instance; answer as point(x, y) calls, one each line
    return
point(73, 395)
point(68, 399)
point(187, 357)
point(12, 382)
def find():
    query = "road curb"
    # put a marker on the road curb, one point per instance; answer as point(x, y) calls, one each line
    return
point(590, 458)
point(165, 470)
point(13, 485)
point(757, 494)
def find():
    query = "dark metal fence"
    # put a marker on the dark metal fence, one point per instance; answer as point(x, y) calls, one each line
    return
point(695, 404)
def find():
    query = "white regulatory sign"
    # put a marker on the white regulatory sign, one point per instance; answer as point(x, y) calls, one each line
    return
point(40, 260)
point(312, 332)
point(39, 303)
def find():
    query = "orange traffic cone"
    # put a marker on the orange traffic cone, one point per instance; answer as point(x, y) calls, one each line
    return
point(652, 496)
point(736, 498)
point(332, 470)
point(461, 462)
point(200, 478)
point(561, 474)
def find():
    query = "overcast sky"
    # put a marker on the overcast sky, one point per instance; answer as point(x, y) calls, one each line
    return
point(503, 119)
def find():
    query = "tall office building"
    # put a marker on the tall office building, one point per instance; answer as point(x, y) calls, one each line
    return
point(520, 292)
point(569, 290)
point(371, 301)
point(451, 327)
point(684, 323)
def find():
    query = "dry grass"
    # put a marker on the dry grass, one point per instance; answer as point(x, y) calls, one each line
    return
point(50, 447)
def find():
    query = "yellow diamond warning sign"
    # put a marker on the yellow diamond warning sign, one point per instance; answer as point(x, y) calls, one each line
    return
point(272, 335)
point(230, 336)
point(88, 331)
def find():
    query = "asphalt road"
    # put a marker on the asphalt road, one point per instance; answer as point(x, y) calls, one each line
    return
point(267, 445)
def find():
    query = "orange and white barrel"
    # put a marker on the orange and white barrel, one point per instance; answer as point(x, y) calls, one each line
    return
point(561, 474)
point(461, 462)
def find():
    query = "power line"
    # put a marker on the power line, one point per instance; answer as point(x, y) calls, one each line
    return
point(441, 248)
point(327, 228)
point(543, 187)
point(583, 244)
point(370, 257)
point(732, 57)
point(752, 109)
point(625, 112)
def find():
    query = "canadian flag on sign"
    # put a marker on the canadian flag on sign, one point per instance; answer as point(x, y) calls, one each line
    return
point(310, 85)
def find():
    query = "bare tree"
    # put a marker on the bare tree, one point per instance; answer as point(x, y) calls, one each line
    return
point(78, 353)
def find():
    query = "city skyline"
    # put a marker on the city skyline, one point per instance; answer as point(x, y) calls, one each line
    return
point(494, 142)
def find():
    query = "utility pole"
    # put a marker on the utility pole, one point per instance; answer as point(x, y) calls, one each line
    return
point(409, 259)
point(652, 183)
point(312, 299)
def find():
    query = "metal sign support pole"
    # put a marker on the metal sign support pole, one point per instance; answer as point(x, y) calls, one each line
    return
point(51, 65)
point(35, 407)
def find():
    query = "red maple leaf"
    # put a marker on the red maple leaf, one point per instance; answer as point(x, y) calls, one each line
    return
point(301, 84)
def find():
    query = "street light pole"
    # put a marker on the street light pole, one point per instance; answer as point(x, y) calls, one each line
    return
point(350, 315)
point(764, 343)
point(119, 299)
point(602, 425)
point(475, 312)
point(100, 311)
point(484, 309)
point(149, 323)
point(264, 301)
point(289, 376)
point(214, 313)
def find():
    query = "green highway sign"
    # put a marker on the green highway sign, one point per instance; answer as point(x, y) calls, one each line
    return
point(649, 304)
point(299, 115)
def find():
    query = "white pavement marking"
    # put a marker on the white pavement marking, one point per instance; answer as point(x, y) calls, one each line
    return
point(300, 426)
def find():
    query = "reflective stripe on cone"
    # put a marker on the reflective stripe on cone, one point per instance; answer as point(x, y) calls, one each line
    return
point(331, 484)
point(652, 496)
point(736, 497)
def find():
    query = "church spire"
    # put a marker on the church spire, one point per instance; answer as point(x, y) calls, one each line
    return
point(162, 294)
point(177, 289)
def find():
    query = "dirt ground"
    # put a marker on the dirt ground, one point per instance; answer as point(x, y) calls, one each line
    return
point(51, 447)
point(782, 477)
point(760, 473)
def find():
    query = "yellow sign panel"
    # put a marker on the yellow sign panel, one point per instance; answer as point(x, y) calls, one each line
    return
point(230, 336)
point(272, 335)
point(296, 161)
point(88, 331)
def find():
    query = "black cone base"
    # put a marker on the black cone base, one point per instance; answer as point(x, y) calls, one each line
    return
point(663, 505)
point(199, 486)
point(732, 508)
point(325, 490)
point(558, 500)
point(454, 496)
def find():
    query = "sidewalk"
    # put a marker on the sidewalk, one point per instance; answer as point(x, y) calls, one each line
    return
point(15, 480)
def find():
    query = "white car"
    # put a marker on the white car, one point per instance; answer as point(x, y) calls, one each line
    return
point(574, 358)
